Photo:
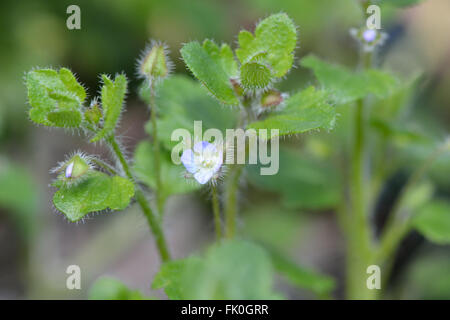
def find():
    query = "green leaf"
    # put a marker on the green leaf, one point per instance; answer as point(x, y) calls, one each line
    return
point(229, 270)
point(55, 97)
point(113, 96)
point(276, 38)
point(302, 182)
point(304, 111)
point(107, 288)
point(96, 192)
point(401, 3)
point(302, 277)
point(181, 101)
point(19, 195)
point(255, 75)
point(169, 278)
point(172, 175)
point(347, 86)
point(213, 67)
point(433, 221)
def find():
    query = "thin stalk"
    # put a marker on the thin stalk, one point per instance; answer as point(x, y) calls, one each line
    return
point(232, 186)
point(105, 166)
point(216, 212)
point(156, 152)
point(359, 238)
point(397, 226)
point(153, 221)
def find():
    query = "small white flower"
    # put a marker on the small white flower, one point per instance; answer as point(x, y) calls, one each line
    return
point(203, 162)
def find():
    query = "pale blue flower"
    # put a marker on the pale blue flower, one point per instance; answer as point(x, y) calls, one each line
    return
point(203, 161)
point(69, 170)
point(369, 35)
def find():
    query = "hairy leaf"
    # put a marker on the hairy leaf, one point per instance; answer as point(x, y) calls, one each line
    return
point(433, 221)
point(304, 111)
point(275, 37)
point(96, 192)
point(55, 97)
point(213, 67)
point(347, 86)
point(113, 96)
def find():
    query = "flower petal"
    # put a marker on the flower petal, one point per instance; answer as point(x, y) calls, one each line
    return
point(187, 158)
point(199, 147)
point(203, 175)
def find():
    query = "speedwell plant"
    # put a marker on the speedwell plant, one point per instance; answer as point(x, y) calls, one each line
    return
point(234, 89)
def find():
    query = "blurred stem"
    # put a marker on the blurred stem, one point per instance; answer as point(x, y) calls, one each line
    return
point(153, 221)
point(216, 212)
point(359, 246)
point(397, 227)
point(232, 186)
point(156, 152)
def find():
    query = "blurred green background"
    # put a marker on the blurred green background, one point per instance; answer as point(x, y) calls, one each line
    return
point(37, 244)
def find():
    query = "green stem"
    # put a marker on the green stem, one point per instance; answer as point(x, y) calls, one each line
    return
point(105, 166)
point(152, 220)
point(156, 153)
point(216, 212)
point(396, 226)
point(359, 238)
point(232, 186)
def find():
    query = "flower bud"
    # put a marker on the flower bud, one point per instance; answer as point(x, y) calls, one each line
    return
point(93, 114)
point(154, 62)
point(271, 98)
point(73, 170)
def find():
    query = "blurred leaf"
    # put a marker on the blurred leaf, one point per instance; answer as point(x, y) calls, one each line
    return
point(96, 192)
point(433, 221)
point(181, 101)
point(302, 277)
point(401, 3)
point(18, 193)
point(276, 37)
point(347, 86)
point(304, 111)
point(55, 97)
point(107, 288)
point(113, 95)
point(428, 278)
point(213, 68)
point(399, 131)
point(302, 182)
point(169, 278)
point(229, 270)
point(173, 181)
point(271, 225)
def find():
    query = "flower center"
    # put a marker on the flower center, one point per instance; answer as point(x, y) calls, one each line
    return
point(207, 163)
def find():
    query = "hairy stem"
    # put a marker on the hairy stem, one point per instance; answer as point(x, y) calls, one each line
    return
point(156, 152)
point(216, 212)
point(105, 166)
point(153, 221)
